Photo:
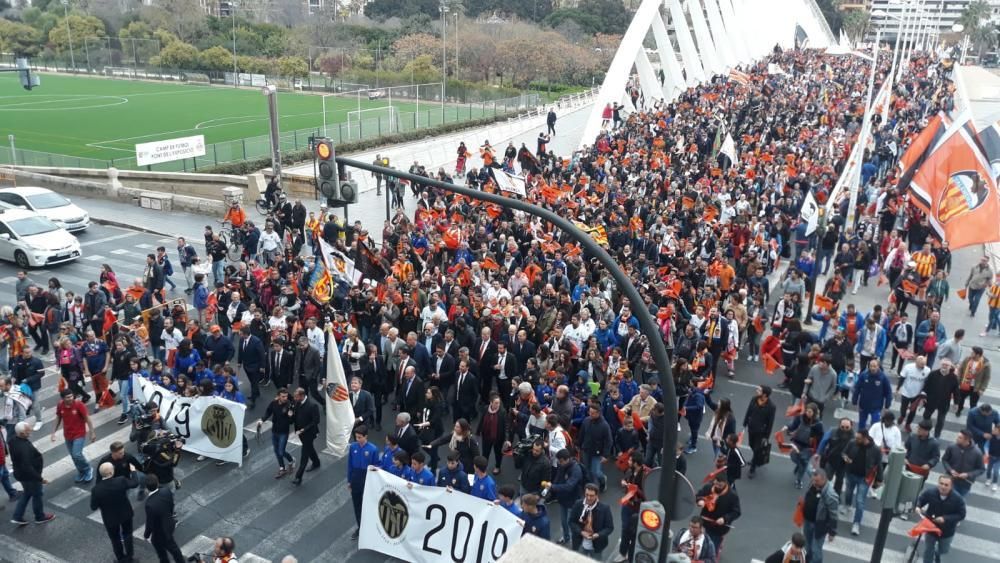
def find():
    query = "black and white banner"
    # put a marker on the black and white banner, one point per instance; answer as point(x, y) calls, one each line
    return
point(423, 524)
point(211, 426)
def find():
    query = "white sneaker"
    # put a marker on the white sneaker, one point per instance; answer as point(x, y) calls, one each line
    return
point(994, 487)
point(855, 529)
point(200, 458)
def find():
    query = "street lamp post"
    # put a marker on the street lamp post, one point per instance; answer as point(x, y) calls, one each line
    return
point(272, 109)
point(444, 55)
point(236, 72)
point(863, 135)
point(69, 34)
point(647, 325)
point(895, 51)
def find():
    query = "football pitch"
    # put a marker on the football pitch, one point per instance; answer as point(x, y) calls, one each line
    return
point(102, 118)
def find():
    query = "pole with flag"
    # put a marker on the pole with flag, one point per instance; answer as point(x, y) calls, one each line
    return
point(339, 412)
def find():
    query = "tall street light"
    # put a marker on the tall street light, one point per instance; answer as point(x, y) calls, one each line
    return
point(444, 54)
point(69, 34)
point(271, 92)
point(865, 133)
point(236, 73)
point(895, 50)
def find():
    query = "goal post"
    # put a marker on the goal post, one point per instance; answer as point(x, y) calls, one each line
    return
point(384, 114)
point(387, 99)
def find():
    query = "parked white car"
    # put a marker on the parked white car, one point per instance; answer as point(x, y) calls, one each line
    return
point(55, 207)
point(31, 240)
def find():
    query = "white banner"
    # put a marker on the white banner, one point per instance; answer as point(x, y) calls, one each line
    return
point(170, 149)
point(426, 524)
point(211, 426)
point(810, 213)
point(510, 183)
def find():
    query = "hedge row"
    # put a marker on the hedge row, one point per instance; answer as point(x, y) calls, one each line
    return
point(289, 158)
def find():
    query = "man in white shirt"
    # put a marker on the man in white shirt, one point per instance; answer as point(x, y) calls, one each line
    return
point(171, 337)
point(574, 332)
point(269, 244)
point(911, 384)
point(316, 337)
point(557, 437)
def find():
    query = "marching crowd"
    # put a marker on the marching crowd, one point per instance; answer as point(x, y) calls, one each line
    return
point(481, 330)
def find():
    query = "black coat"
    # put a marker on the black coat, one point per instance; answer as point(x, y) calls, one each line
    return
point(25, 459)
point(159, 515)
point(374, 375)
point(111, 497)
point(487, 360)
point(534, 471)
point(408, 441)
point(307, 419)
point(601, 522)
point(467, 394)
point(726, 507)
point(759, 419)
point(447, 372)
point(280, 372)
point(364, 407)
point(252, 354)
point(308, 363)
point(411, 396)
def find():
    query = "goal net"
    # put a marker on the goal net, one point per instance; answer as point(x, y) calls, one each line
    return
point(372, 122)
point(119, 72)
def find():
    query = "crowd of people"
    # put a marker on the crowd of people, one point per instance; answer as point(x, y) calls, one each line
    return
point(484, 331)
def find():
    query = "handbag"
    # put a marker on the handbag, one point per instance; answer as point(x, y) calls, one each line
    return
point(764, 452)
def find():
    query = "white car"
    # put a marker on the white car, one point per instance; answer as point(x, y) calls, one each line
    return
point(29, 239)
point(45, 202)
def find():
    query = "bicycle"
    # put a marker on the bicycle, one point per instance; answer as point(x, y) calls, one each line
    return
point(265, 209)
point(232, 239)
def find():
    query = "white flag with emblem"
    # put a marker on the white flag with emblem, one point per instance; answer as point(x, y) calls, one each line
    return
point(810, 213)
point(339, 412)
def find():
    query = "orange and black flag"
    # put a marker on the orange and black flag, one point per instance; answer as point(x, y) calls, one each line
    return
point(921, 148)
point(956, 188)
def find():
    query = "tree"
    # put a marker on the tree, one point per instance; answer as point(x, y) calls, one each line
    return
point(421, 66)
point(384, 9)
point(855, 23)
point(80, 27)
point(19, 38)
point(410, 47)
point(292, 67)
point(183, 18)
point(179, 55)
point(588, 24)
point(831, 11)
point(976, 19)
point(333, 65)
point(215, 58)
point(612, 14)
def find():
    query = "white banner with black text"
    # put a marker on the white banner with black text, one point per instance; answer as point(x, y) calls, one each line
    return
point(210, 426)
point(421, 524)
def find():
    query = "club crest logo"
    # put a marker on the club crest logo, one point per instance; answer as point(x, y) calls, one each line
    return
point(393, 514)
point(966, 191)
point(337, 392)
point(219, 426)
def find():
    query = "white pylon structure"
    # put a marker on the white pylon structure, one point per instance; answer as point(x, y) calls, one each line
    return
point(709, 38)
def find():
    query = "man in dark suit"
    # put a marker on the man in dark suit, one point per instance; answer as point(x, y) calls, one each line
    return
point(419, 354)
point(522, 348)
point(110, 495)
point(307, 429)
point(280, 363)
point(506, 369)
point(442, 372)
point(485, 355)
point(307, 367)
point(405, 362)
point(411, 392)
point(254, 362)
point(160, 521)
point(406, 435)
point(451, 345)
point(466, 393)
point(430, 340)
point(363, 404)
point(376, 380)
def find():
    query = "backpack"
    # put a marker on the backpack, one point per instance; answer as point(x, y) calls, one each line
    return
point(930, 343)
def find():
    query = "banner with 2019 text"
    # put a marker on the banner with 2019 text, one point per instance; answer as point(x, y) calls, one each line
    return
point(210, 426)
point(424, 524)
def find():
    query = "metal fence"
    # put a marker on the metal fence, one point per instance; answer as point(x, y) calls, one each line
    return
point(239, 150)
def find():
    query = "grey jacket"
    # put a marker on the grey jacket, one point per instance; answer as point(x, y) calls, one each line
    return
point(964, 460)
point(980, 277)
point(826, 512)
point(922, 452)
point(824, 384)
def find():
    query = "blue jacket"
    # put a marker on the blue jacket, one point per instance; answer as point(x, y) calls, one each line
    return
point(386, 461)
point(924, 330)
point(980, 423)
point(457, 479)
point(200, 296)
point(425, 477)
point(183, 363)
point(221, 348)
point(880, 341)
point(567, 485)
point(537, 524)
point(484, 488)
point(358, 459)
point(872, 391)
point(605, 339)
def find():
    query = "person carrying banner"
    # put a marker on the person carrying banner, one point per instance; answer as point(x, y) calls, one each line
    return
point(361, 455)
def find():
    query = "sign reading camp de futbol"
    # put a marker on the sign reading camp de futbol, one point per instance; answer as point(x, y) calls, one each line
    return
point(170, 149)
point(210, 426)
point(425, 524)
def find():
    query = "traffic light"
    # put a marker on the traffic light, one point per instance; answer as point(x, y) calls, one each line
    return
point(349, 191)
point(28, 80)
point(327, 180)
point(650, 532)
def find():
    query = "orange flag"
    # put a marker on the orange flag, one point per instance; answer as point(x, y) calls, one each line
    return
point(925, 526)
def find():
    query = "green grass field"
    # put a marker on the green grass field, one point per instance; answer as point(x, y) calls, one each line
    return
point(103, 119)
